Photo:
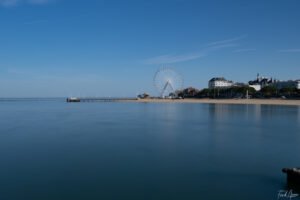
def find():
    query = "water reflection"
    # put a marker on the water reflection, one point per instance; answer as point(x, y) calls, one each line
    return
point(221, 112)
point(298, 113)
point(257, 112)
point(136, 151)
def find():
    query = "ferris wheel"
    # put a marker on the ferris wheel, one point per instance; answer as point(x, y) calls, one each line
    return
point(167, 81)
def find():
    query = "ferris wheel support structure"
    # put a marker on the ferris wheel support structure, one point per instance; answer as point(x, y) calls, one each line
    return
point(167, 81)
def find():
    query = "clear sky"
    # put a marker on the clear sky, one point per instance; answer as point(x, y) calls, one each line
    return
point(64, 48)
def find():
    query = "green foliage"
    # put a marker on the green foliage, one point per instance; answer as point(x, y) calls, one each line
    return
point(288, 91)
point(269, 91)
point(240, 92)
point(205, 93)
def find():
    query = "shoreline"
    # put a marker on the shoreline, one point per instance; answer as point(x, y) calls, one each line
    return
point(283, 102)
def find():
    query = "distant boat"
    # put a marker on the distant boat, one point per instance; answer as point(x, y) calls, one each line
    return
point(73, 99)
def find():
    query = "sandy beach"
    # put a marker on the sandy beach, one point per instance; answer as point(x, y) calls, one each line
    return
point(226, 101)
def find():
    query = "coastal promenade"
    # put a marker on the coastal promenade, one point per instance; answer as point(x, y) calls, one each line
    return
point(283, 102)
point(227, 101)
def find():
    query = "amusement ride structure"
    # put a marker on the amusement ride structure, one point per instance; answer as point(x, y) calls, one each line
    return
point(167, 81)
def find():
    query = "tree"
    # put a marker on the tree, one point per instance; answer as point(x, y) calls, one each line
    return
point(205, 93)
point(269, 91)
point(288, 91)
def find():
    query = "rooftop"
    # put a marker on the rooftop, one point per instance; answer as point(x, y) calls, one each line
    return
point(218, 79)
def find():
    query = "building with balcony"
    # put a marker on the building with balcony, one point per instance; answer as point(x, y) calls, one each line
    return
point(219, 82)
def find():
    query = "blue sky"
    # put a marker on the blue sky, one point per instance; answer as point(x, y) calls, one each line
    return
point(51, 48)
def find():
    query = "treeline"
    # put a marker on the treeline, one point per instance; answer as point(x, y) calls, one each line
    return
point(240, 92)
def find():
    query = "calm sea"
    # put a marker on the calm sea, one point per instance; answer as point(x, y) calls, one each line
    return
point(51, 150)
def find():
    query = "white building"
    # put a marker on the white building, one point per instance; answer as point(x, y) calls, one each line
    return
point(219, 82)
point(260, 82)
point(257, 87)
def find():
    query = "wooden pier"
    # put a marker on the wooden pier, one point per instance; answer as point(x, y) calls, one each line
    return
point(98, 99)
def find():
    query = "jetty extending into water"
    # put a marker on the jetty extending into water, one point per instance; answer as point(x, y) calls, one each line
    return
point(99, 99)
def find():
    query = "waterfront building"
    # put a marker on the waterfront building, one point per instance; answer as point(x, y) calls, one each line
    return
point(219, 82)
point(287, 84)
point(143, 96)
point(257, 87)
point(261, 82)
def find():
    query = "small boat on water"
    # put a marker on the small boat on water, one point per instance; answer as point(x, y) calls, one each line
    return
point(73, 99)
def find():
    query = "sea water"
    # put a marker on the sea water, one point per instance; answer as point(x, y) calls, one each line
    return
point(50, 150)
